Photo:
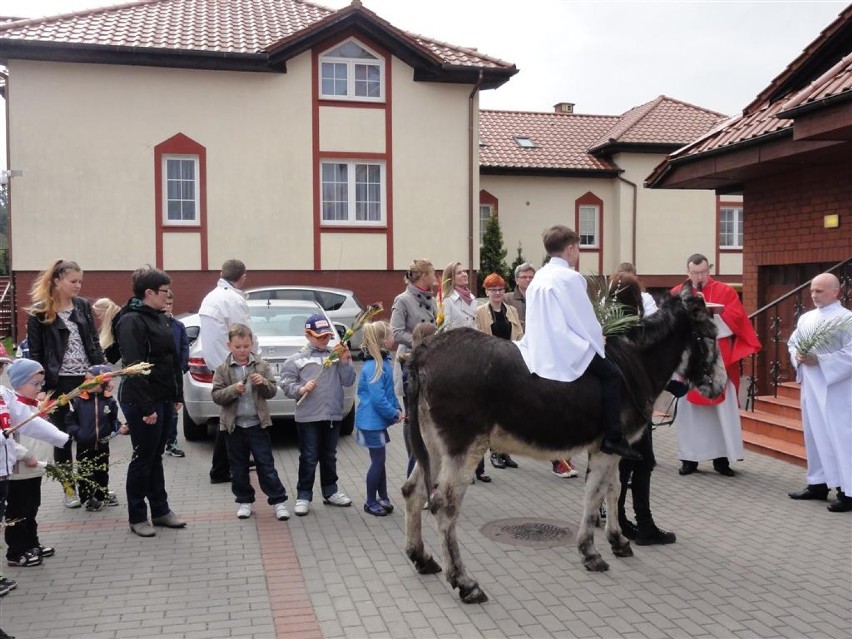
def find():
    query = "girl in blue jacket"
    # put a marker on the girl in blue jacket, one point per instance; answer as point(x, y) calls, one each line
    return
point(377, 409)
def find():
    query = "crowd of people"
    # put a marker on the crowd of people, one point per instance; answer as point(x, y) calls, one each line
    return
point(549, 315)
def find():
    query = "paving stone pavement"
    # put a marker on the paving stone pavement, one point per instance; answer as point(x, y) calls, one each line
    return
point(749, 562)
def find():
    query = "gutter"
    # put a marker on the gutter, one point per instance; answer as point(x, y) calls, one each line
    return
point(470, 209)
point(634, 223)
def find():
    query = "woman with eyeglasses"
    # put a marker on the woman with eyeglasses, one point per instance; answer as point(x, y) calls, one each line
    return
point(501, 320)
point(63, 338)
point(148, 401)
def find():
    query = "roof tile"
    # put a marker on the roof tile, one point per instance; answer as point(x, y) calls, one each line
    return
point(220, 26)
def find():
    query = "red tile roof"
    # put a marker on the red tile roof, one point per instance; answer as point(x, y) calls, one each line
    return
point(832, 84)
point(214, 26)
point(573, 141)
point(663, 120)
point(562, 140)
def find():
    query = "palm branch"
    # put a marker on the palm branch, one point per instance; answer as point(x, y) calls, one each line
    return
point(818, 338)
point(614, 317)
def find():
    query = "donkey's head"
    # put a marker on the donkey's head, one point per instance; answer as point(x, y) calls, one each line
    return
point(702, 365)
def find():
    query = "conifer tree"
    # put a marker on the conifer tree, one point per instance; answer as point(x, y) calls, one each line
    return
point(519, 259)
point(492, 254)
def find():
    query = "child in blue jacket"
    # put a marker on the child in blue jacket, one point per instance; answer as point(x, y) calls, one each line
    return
point(377, 409)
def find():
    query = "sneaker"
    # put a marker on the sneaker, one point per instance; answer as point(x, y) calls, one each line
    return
point(72, 500)
point(387, 505)
point(375, 509)
point(94, 505)
point(7, 585)
point(302, 507)
point(337, 499)
point(174, 451)
point(111, 499)
point(27, 560)
point(244, 511)
point(44, 551)
point(281, 512)
point(563, 469)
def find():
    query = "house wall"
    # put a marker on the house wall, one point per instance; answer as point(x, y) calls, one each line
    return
point(529, 204)
point(671, 225)
point(84, 136)
point(784, 223)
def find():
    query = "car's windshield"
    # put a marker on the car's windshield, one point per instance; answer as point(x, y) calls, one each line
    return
point(279, 322)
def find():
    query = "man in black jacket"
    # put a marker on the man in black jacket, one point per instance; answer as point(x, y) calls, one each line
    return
point(148, 400)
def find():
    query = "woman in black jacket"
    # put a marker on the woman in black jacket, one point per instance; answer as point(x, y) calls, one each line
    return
point(62, 338)
point(148, 401)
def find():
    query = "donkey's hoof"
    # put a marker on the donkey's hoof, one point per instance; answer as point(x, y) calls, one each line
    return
point(427, 567)
point(472, 595)
point(595, 563)
point(622, 551)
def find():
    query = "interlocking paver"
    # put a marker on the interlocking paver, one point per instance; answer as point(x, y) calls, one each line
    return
point(739, 568)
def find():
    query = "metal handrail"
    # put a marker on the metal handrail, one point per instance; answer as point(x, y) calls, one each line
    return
point(774, 367)
point(6, 291)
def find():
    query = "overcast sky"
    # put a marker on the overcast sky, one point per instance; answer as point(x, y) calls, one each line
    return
point(606, 56)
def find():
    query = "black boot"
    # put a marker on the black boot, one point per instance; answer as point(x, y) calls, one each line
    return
point(723, 467)
point(842, 504)
point(811, 491)
point(648, 533)
point(508, 462)
point(497, 460)
point(687, 467)
point(480, 472)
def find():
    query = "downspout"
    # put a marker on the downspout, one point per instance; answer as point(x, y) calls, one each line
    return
point(470, 207)
point(633, 225)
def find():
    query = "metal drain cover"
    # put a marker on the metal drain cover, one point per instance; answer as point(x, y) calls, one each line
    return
point(531, 533)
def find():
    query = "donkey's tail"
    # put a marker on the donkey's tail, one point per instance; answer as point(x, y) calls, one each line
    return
point(415, 436)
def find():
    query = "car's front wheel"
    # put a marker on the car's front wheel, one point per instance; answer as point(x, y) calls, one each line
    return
point(192, 431)
point(348, 423)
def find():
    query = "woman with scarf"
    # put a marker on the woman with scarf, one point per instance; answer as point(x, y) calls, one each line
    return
point(415, 305)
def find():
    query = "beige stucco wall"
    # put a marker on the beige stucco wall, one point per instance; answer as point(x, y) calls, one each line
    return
point(672, 223)
point(528, 205)
point(84, 136)
point(430, 164)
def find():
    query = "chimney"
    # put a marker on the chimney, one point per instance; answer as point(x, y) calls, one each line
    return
point(564, 107)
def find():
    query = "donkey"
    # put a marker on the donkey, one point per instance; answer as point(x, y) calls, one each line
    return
point(467, 389)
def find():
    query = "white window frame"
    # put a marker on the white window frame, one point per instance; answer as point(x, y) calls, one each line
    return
point(197, 190)
point(483, 219)
point(351, 184)
point(582, 230)
point(351, 64)
point(736, 232)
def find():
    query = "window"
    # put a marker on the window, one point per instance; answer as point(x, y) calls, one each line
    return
point(588, 225)
point(353, 193)
point(181, 189)
point(731, 227)
point(525, 142)
point(351, 72)
point(486, 212)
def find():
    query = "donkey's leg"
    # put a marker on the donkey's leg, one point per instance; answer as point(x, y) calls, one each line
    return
point(619, 543)
point(446, 506)
point(600, 467)
point(414, 492)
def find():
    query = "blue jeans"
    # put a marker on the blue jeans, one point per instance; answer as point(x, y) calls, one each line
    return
point(254, 440)
point(317, 445)
point(145, 479)
point(171, 430)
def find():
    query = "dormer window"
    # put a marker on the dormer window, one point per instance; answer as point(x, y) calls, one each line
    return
point(525, 142)
point(350, 71)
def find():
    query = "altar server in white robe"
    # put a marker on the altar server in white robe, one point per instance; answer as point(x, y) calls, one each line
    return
point(563, 337)
point(826, 378)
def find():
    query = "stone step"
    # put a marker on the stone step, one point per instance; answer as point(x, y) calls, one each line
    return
point(783, 429)
point(791, 390)
point(782, 406)
point(785, 451)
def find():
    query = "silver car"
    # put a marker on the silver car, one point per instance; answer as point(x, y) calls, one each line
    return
point(339, 304)
point(280, 329)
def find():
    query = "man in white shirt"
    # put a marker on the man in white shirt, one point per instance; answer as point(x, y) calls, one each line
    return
point(826, 377)
point(221, 307)
point(563, 337)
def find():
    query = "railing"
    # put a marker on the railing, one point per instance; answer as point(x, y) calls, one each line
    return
point(775, 323)
point(6, 318)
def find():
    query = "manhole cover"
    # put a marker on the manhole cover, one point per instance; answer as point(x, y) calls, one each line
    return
point(531, 533)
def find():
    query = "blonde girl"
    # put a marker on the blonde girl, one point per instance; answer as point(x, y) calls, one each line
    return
point(62, 338)
point(105, 311)
point(378, 409)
